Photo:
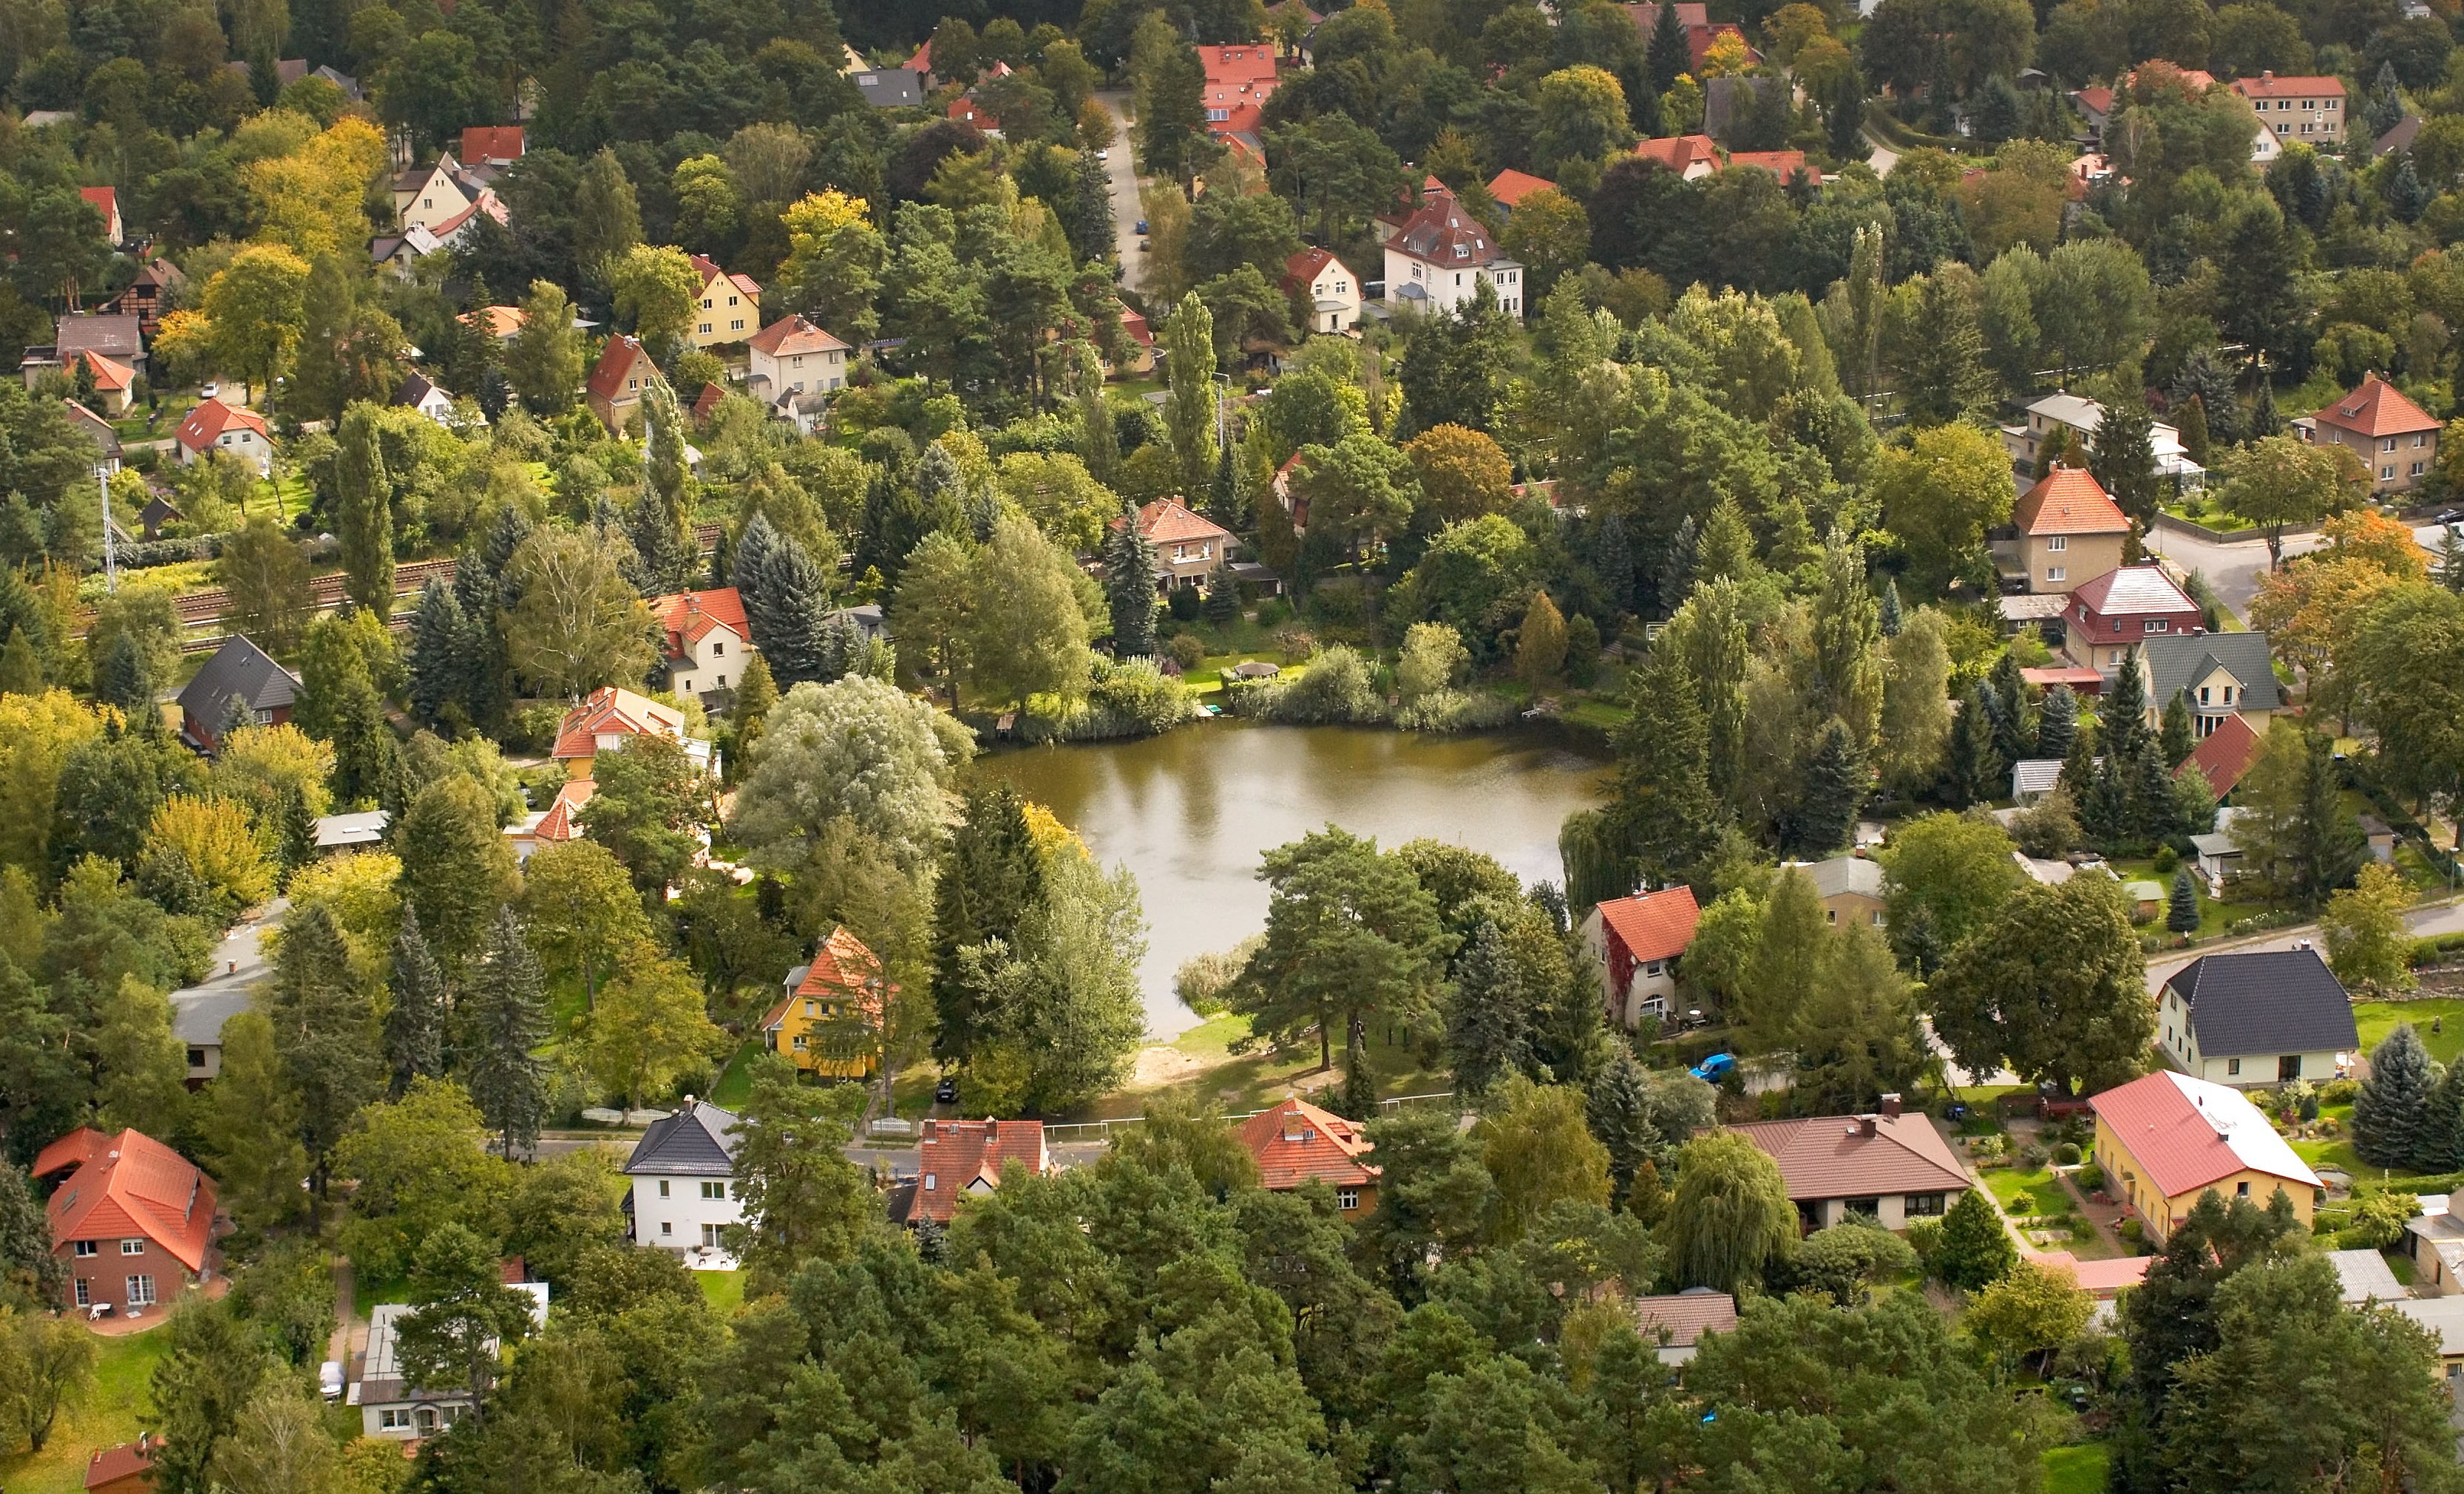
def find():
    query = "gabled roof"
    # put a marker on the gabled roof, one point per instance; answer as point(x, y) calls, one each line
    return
point(105, 200)
point(2188, 1133)
point(497, 143)
point(114, 333)
point(890, 88)
point(1509, 186)
point(561, 821)
point(1829, 1156)
point(127, 1460)
point(613, 708)
point(207, 422)
point(687, 617)
point(842, 969)
point(1680, 153)
point(109, 374)
point(95, 428)
point(958, 1157)
point(2133, 591)
point(615, 365)
point(1842, 876)
point(1302, 270)
point(1443, 235)
point(238, 668)
point(128, 1185)
point(1785, 165)
point(1652, 925)
point(1688, 1315)
point(2094, 100)
point(2068, 501)
point(2267, 85)
point(699, 1141)
point(1296, 1141)
point(2180, 661)
point(500, 321)
point(791, 335)
point(1170, 522)
point(2376, 409)
point(2268, 1002)
point(2226, 754)
point(707, 269)
point(415, 389)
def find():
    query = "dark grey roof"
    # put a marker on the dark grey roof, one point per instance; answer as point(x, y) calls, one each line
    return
point(415, 388)
point(2274, 1003)
point(112, 334)
point(888, 88)
point(95, 429)
point(2179, 661)
point(238, 668)
point(697, 1141)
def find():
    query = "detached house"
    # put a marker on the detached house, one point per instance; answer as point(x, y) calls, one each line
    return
point(2063, 531)
point(2396, 440)
point(2223, 755)
point(216, 427)
point(614, 388)
point(1187, 545)
point(1638, 941)
point(792, 363)
point(957, 1158)
point(2260, 1019)
point(2053, 420)
point(610, 715)
point(106, 202)
point(132, 1220)
point(2121, 610)
point(238, 670)
point(2310, 109)
point(1331, 291)
point(1240, 80)
point(443, 199)
point(1890, 1167)
point(2220, 675)
point(497, 146)
point(683, 1171)
point(826, 1023)
point(1296, 1142)
point(1441, 254)
point(1508, 187)
point(144, 297)
point(113, 380)
point(389, 1406)
point(730, 309)
point(704, 638)
point(2166, 1140)
point(1850, 888)
point(559, 822)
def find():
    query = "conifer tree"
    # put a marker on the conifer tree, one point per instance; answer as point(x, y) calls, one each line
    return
point(21, 667)
point(503, 1020)
point(1224, 494)
point(662, 527)
point(1091, 218)
point(1974, 1251)
point(2441, 1147)
point(1128, 584)
point(755, 695)
point(124, 680)
point(2011, 738)
point(789, 614)
point(2175, 742)
point(1836, 783)
point(1611, 561)
point(364, 510)
point(2451, 575)
point(442, 652)
point(1664, 811)
point(325, 1030)
point(2182, 907)
point(2196, 441)
point(992, 880)
point(1891, 618)
point(2391, 1111)
point(1972, 770)
point(1099, 440)
point(295, 829)
point(747, 557)
point(1666, 54)
point(1677, 567)
point(2121, 717)
point(1619, 1110)
point(1488, 1017)
point(414, 1024)
point(1222, 596)
point(2263, 418)
point(2056, 723)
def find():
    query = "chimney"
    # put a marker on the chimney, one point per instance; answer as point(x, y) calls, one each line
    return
point(1865, 1126)
point(1890, 1106)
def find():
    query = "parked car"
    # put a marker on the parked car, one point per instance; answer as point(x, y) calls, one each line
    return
point(212, 389)
point(1145, 248)
point(1103, 155)
point(1142, 228)
point(329, 1380)
point(946, 1093)
point(1718, 1066)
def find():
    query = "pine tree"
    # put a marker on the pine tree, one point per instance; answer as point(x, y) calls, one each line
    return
point(2181, 908)
point(1488, 1018)
point(2390, 1112)
point(1666, 54)
point(441, 655)
point(414, 1025)
point(2056, 723)
point(1834, 786)
point(1128, 584)
point(1612, 562)
point(1664, 812)
point(789, 614)
point(1618, 1112)
point(504, 1019)
point(2174, 742)
point(2441, 1147)
point(1677, 567)
point(364, 510)
point(21, 667)
point(1892, 619)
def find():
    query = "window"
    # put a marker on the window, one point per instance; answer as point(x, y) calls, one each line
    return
point(2232, 1066)
point(1925, 1206)
point(84, 1248)
point(393, 1420)
point(2055, 573)
point(713, 1190)
point(2421, 440)
point(809, 1008)
point(2229, 694)
point(2386, 473)
point(132, 1247)
point(663, 1187)
point(799, 1043)
point(665, 1228)
point(2288, 1067)
point(929, 1181)
point(2058, 542)
point(84, 1292)
point(2203, 694)
point(2416, 470)
point(705, 329)
point(2387, 445)
point(709, 1236)
point(140, 1291)
point(1870, 1208)
point(1347, 1197)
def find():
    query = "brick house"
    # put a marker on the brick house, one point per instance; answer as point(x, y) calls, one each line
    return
point(2122, 609)
point(961, 1158)
point(614, 388)
point(239, 668)
point(131, 1219)
point(1296, 1142)
point(2396, 439)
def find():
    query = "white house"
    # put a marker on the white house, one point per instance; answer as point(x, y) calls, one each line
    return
point(1332, 290)
point(2052, 418)
point(684, 1193)
point(419, 393)
point(792, 357)
point(1437, 260)
point(704, 638)
point(389, 1406)
point(216, 427)
point(425, 198)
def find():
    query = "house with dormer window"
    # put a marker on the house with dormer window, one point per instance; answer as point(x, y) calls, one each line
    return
point(2219, 675)
point(132, 1220)
point(1437, 258)
point(831, 1008)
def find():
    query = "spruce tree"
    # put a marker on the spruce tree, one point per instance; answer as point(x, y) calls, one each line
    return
point(1619, 1110)
point(2391, 1111)
point(749, 555)
point(2195, 436)
point(504, 1019)
point(2011, 738)
point(1358, 1100)
point(789, 614)
point(2327, 844)
point(2125, 460)
point(237, 716)
point(441, 655)
point(295, 830)
point(1224, 494)
point(1677, 567)
point(2121, 718)
point(662, 520)
point(1613, 561)
point(125, 681)
point(2153, 809)
point(2175, 742)
point(2263, 418)
point(1488, 1018)
point(1128, 584)
point(1663, 813)
point(324, 1031)
point(1091, 235)
point(1892, 619)
point(21, 667)
point(2204, 381)
point(2105, 813)
point(1222, 596)
point(2450, 571)
point(2056, 723)
point(2181, 908)
point(2441, 1147)
point(1666, 54)
point(2078, 765)
point(1971, 772)
point(414, 1025)
point(1833, 788)
point(992, 882)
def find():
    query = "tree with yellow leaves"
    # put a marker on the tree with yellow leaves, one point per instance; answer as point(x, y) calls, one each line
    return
point(257, 310)
point(37, 734)
point(312, 199)
point(1726, 56)
point(184, 349)
point(220, 845)
point(832, 272)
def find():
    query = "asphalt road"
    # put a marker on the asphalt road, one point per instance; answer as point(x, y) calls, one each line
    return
point(2421, 923)
point(1122, 170)
point(2231, 567)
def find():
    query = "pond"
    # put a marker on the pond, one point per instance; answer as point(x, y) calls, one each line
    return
point(1190, 812)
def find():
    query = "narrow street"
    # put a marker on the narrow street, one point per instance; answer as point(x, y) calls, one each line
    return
point(1121, 168)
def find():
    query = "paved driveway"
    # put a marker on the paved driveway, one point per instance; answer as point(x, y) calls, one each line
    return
point(1122, 171)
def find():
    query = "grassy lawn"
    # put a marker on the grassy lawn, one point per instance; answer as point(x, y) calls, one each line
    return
point(736, 1081)
point(2009, 1182)
point(2214, 917)
point(723, 1290)
point(2076, 1470)
point(2377, 1019)
point(2211, 514)
point(113, 1410)
point(1200, 1064)
point(1597, 712)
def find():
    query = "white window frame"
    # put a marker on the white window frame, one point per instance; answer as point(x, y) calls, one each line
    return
point(141, 1291)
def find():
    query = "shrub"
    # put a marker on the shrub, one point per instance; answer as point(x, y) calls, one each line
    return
point(2023, 1203)
point(1186, 602)
point(1186, 651)
point(1132, 699)
point(1455, 711)
point(1333, 690)
point(2089, 1176)
point(2031, 1155)
point(2339, 1091)
point(2067, 1153)
point(2132, 1231)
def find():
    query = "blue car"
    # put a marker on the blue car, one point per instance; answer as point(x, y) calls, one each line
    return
point(1716, 1068)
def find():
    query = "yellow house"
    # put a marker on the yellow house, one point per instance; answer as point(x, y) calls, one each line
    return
point(728, 309)
point(2167, 1140)
point(828, 1023)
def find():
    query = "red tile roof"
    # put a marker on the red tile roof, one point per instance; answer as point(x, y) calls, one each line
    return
point(108, 373)
point(1509, 186)
point(790, 335)
point(130, 1460)
point(2134, 591)
point(1681, 152)
point(972, 113)
point(2080, 679)
point(1655, 925)
point(970, 1157)
point(500, 321)
point(615, 367)
point(2267, 85)
point(106, 202)
point(1301, 271)
point(1168, 521)
point(2068, 501)
point(207, 422)
point(612, 710)
point(1688, 1315)
point(2100, 1278)
point(2096, 101)
point(1829, 1156)
point(2226, 755)
point(560, 822)
point(2377, 408)
point(1786, 164)
point(128, 1185)
point(1699, 30)
point(688, 616)
point(2188, 1133)
point(1434, 233)
point(709, 270)
point(492, 142)
point(1297, 1141)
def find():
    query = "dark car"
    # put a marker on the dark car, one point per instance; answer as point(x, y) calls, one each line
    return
point(2451, 519)
point(1142, 226)
point(946, 1093)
